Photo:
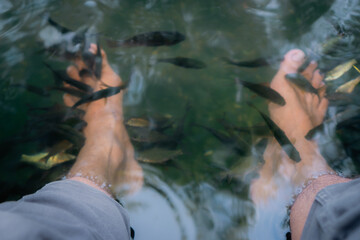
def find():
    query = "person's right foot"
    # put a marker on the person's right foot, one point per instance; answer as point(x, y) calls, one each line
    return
point(302, 112)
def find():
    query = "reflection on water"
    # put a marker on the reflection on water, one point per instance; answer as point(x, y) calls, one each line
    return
point(202, 193)
point(158, 212)
point(135, 89)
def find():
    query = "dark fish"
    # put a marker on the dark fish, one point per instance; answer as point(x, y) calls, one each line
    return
point(179, 130)
point(305, 64)
point(107, 92)
point(70, 91)
point(62, 76)
point(258, 62)
point(70, 134)
point(70, 41)
point(157, 155)
point(264, 91)
point(350, 122)
point(98, 62)
point(221, 136)
point(260, 130)
point(34, 89)
point(300, 81)
point(60, 28)
point(281, 137)
point(85, 73)
point(150, 39)
point(160, 124)
point(89, 59)
point(228, 139)
point(184, 62)
point(59, 147)
point(147, 137)
point(341, 99)
point(56, 112)
point(313, 131)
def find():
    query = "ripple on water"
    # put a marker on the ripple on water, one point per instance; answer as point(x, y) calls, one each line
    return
point(136, 88)
point(5, 6)
point(91, 4)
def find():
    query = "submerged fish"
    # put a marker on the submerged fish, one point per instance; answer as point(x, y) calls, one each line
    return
point(313, 131)
point(280, 137)
point(71, 91)
point(179, 130)
point(54, 156)
point(184, 62)
point(349, 123)
point(71, 134)
point(329, 45)
point(340, 118)
point(89, 60)
point(60, 147)
point(33, 89)
point(349, 86)
point(264, 91)
point(107, 92)
point(221, 136)
point(138, 122)
point(56, 25)
point(64, 42)
point(147, 137)
point(300, 81)
point(62, 76)
point(85, 73)
point(258, 62)
point(98, 62)
point(339, 70)
point(228, 139)
point(259, 130)
point(157, 155)
point(159, 123)
point(150, 39)
point(305, 64)
point(40, 159)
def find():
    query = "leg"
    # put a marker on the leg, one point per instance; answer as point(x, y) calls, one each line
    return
point(107, 158)
point(302, 112)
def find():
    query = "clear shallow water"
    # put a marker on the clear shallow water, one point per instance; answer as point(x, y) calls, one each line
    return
point(204, 191)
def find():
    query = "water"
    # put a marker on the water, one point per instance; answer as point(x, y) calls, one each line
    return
point(204, 193)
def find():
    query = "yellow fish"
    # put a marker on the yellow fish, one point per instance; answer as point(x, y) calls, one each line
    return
point(41, 161)
point(158, 155)
point(338, 71)
point(349, 86)
point(138, 122)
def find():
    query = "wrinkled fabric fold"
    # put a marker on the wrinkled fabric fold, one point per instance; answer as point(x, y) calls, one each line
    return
point(64, 209)
point(335, 213)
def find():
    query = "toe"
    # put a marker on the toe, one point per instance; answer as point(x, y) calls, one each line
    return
point(317, 81)
point(69, 101)
point(323, 106)
point(73, 72)
point(292, 60)
point(309, 71)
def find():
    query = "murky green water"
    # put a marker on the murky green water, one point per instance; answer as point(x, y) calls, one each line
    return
point(202, 194)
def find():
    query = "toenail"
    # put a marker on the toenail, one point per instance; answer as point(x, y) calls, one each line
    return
point(298, 56)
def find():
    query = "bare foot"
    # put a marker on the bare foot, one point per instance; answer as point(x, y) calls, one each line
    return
point(107, 157)
point(302, 112)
